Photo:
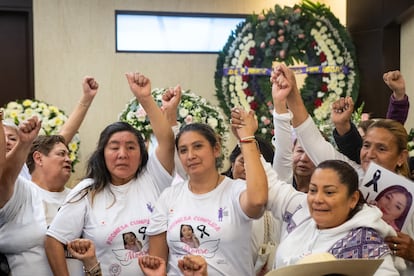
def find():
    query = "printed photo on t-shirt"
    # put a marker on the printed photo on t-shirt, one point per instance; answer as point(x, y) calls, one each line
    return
point(188, 237)
point(131, 242)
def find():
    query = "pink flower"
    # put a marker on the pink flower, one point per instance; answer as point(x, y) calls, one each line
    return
point(140, 112)
point(272, 22)
point(281, 38)
point(272, 42)
point(266, 121)
point(188, 119)
point(263, 45)
point(286, 22)
point(364, 116)
point(261, 17)
point(282, 53)
point(301, 36)
point(297, 10)
point(280, 32)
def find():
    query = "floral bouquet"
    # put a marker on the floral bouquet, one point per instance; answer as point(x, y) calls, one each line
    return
point(192, 109)
point(52, 120)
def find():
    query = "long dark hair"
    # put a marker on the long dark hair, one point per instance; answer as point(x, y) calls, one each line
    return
point(398, 189)
point(266, 149)
point(204, 130)
point(97, 169)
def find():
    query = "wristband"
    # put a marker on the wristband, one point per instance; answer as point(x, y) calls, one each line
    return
point(247, 139)
point(94, 271)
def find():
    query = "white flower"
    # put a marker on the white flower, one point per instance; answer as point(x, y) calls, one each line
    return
point(183, 112)
point(192, 109)
point(212, 122)
point(52, 120)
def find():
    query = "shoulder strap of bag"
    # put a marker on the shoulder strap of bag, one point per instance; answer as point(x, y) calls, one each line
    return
point(266, 219)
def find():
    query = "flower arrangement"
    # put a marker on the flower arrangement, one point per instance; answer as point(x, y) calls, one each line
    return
point(52, 119)
point(192, 108)
point(307, 33)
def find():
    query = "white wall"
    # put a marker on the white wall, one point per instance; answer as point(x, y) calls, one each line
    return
point(74, 38)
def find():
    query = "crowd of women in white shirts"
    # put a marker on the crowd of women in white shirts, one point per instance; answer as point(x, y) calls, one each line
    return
point(125, 217)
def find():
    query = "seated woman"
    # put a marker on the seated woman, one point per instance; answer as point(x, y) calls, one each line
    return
point(385, 143)
point(332, 218)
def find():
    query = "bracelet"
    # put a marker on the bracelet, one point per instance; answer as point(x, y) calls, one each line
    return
point(83, 104)
point(247, 139)
point(94, 271)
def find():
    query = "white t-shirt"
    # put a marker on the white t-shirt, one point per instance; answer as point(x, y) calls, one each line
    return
point(23, 224)
point(221, 227)
point(116, 213)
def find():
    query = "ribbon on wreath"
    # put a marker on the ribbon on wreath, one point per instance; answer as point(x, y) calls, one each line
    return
point(320, 69)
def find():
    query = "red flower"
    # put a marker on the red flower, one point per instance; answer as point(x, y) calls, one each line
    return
point(246, 63)
point(313, 44)
point(248, 92)
point(252, 51)
point(317, 102)
point(253, 105)
point(245, 78)
point(322, 57)
point(324, 87)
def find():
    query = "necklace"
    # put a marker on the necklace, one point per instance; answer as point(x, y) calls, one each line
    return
point(215, 186)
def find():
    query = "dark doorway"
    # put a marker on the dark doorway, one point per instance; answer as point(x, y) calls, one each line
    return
point(16, 51)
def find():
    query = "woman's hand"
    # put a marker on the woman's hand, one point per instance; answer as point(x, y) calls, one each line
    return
point(193, 265)
point(152, 265)
point(402, 245)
